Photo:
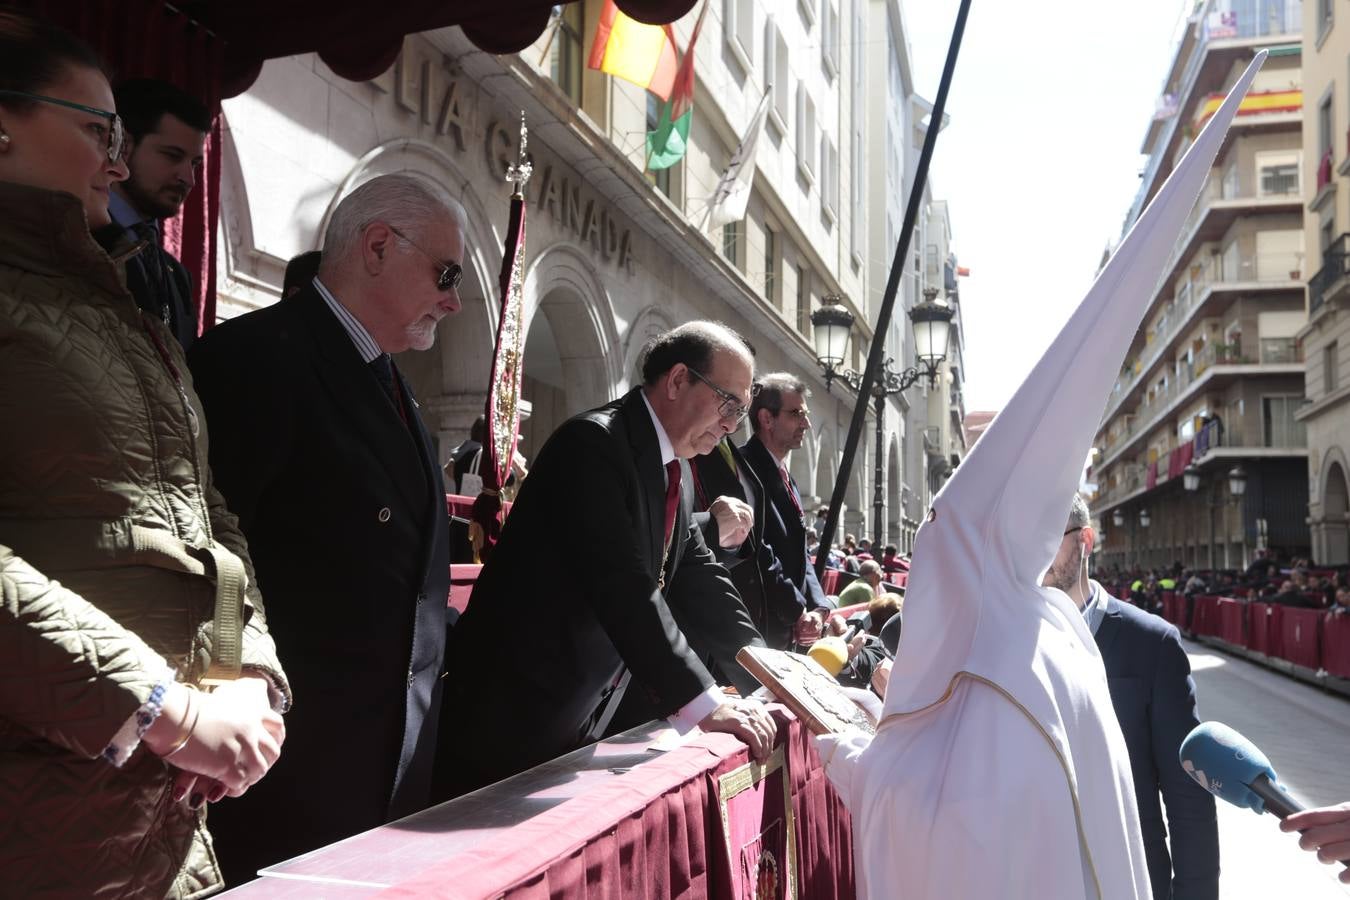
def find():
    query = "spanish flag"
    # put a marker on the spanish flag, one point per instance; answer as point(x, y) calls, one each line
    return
point(628, 49)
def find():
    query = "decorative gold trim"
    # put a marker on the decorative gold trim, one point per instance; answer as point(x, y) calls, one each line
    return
point(1063, 763)
point(741, 779)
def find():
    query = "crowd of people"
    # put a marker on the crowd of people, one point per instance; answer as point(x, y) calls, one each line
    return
point(224, 552)
point(1292, 581)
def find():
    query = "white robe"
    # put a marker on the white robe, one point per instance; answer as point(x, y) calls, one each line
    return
point(999, 770)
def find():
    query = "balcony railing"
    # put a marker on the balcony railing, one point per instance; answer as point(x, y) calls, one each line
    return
point(1263, 268)
point(1220, 23)
point(1335, 267)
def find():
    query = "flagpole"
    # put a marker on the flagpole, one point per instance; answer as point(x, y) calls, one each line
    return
point(883, 324)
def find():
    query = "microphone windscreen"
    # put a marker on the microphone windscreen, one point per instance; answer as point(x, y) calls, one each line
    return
point(1225, 763)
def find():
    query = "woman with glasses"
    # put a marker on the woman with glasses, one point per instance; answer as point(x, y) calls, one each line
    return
point(125, 586)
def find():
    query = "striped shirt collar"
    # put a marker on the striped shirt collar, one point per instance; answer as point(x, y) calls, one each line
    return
point(365, 344)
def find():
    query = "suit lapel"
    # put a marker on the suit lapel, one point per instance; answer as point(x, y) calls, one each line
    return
point(759, 501)
point(435, 501)
point(358, 397)
point(772, 485)
point(650, 471)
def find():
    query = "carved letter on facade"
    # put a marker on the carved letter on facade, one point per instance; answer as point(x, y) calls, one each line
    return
point(548, 193)
point(451, 120)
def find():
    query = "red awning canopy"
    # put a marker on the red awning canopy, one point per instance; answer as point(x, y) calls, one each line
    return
point(359, 40)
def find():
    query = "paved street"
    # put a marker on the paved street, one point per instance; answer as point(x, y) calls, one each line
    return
point(1306, 734)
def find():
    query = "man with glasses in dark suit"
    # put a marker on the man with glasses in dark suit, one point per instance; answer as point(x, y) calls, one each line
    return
point(601, 557)
point(320, 450)
point(780, 419)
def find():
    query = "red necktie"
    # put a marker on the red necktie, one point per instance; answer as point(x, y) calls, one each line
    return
point(787, 483)
point(672, 495)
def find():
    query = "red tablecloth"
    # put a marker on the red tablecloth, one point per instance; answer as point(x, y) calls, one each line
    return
point(829, 582)
point(462, 578)
point(1263, 628)
point(1174, 607)
point(1336, 644)
point(1232, 621)
point(1300, 633)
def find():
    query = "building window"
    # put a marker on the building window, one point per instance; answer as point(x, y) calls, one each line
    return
point(738, 25)
point(1277, 174)
point(803, 299)
point(564, 65)
point(1279, 427)
point(829, 37)
point(1326, 236)
point(1331, 368)
point(731, 243)
point(1325, 17)
point(806, 133)
point(659, 177)
point(829, 178)
point(1325, 140)
point(770, 265)
point(776, 77)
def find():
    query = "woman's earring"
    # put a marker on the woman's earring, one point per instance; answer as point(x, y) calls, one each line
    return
point(4, 139)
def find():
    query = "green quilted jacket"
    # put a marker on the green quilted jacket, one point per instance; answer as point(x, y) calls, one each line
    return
point(111, 540)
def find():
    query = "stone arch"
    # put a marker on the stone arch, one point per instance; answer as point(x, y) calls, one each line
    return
point(570, 328)
point(1335, 526)
point(894, 503)
point(648, 324)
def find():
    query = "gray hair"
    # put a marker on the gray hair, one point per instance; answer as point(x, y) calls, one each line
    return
point(772, 387)
point(1079, 516)
point(406, 201)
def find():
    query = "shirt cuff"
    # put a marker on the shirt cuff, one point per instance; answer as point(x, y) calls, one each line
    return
point(686, 719)
point(128, 737)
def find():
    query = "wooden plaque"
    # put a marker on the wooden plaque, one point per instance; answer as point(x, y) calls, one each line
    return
point(808, 690)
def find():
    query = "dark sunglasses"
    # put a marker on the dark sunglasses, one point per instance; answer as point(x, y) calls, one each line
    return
point(450, 274)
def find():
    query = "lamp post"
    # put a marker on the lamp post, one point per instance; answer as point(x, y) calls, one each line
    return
point(831, 326)
point(1237, 486)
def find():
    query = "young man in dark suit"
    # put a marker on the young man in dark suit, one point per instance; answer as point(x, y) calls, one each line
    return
point(598, 549)
point(780, 419)
point(775, 602)
point(1154, 698)
point(166, 130)
point(320, 450)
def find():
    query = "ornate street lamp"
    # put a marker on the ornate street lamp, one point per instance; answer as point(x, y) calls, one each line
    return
point(831, 326)
point(1190, 478)
point(1118, 518)
point(1237, 481)
point(1143, 518)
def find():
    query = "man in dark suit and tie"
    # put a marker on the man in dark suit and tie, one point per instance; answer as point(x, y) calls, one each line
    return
point(775, 602)
point(1154, 699)
point(166, 130)
point(780, 419)
point(598, 551)
point(319, 448)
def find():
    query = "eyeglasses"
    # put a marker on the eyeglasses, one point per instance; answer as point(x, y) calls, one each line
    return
point(451, 273)
point(1072, 530)
point(731, 406)
point(112, 133)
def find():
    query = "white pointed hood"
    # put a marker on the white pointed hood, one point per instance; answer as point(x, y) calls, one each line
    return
point(973, 602)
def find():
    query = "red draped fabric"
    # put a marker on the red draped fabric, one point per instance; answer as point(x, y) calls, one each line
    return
point(1263, 628)
point(1336, 644)
point(829, 582)
point(1173, 604)
point(1300, 634)
point(1151, 477)
point(654, 833)
point(147, 39)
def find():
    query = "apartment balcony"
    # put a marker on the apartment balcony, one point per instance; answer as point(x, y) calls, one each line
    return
point(1206, 295)
point(1214, 369)
point(1224, 37)
point(1331, 283)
